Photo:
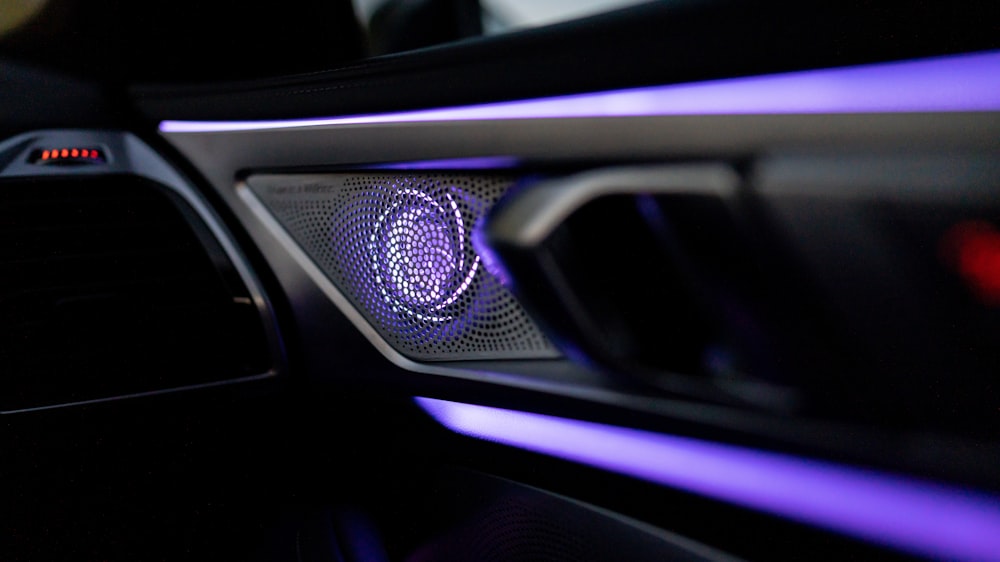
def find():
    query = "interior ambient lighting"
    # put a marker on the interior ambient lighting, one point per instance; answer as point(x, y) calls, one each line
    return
point(484, 163)
point(969, 82)
point(909, 514)
point(418, 252)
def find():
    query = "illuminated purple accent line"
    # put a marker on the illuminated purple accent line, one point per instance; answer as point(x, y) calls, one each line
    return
point(906, 513)
point(485, 163)
point(969, 82)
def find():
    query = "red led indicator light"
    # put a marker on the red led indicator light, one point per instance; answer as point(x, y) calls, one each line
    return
point(68, 155)
point(973, 249)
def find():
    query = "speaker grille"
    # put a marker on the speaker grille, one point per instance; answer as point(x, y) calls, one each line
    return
point(399, 248)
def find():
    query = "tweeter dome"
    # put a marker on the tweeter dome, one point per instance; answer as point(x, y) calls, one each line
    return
point(399, 248)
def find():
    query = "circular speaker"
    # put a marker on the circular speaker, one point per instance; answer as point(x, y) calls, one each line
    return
point(420, 257)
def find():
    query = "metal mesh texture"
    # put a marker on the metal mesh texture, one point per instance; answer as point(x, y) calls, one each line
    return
point(399, 248)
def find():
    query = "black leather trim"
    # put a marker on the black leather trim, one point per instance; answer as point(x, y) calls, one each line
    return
point(34, 98)
point(658, 43)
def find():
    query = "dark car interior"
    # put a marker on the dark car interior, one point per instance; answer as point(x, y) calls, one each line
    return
point(498, 280)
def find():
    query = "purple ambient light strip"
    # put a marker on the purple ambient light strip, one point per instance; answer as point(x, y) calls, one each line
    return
point(484, 163)
point(969, 82)
point(909, 514)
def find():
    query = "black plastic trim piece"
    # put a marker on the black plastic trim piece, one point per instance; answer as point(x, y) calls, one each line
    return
point(127, 155)
point(656, 43)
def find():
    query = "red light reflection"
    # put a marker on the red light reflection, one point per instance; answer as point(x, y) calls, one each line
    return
point(973, 249)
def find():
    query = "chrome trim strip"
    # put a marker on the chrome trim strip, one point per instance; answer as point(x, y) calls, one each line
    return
point(140, 394)
point(535, 212)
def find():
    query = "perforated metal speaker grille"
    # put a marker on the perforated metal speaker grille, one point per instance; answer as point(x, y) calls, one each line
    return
point(399, 248)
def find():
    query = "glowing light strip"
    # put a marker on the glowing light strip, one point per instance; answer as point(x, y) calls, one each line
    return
point(968, 82)
point(909, 514)
point(485, 163)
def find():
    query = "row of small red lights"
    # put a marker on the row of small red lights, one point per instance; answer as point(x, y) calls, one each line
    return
point(70, 153)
